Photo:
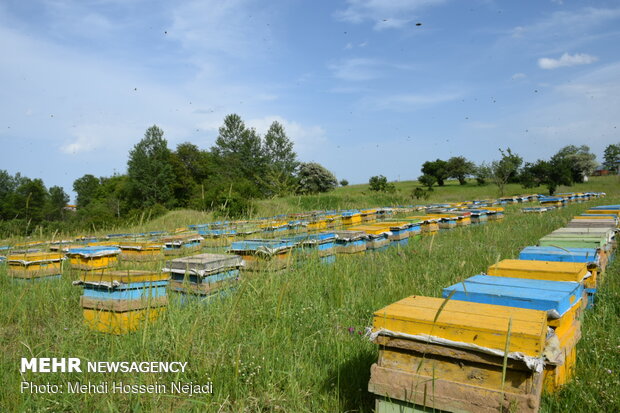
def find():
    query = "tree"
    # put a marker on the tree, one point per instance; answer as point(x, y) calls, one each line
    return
point(344, 182)
point(378, 183)
point(86, 189)
point(239, 151)
point(57, 200)
point(551, 173)
point(149, 169)
point(505, 170)
point(281, 162)
point(314, 178)
point(459, 167)
point(427, 180)
point(612, 157)
point(582, 161)
point(437, 169)
point(30, 200)
point(482, 173)
point(279, 150)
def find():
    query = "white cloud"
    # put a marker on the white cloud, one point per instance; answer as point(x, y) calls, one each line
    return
point(518, 76)
point(566, 60)
point(385, 14)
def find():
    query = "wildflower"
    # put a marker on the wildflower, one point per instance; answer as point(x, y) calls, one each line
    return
point(351, 330)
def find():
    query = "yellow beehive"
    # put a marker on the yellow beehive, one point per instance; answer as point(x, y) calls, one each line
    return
point(141, 251)
point(604, 212)
point(123, 276)
point(352, 219)
point(274, 262)
point(369, 215)
point(539, 270)
point(317, 225)
point(481, 324)
point(34, 265)
point(557, 376)
point(450, 376)
point(373, 229)
point(120, 322)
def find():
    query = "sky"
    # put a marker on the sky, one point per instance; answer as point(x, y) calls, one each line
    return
point(364, 87)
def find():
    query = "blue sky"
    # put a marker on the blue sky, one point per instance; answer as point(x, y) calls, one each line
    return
point(363, 87)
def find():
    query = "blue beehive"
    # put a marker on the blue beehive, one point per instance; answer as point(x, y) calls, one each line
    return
point(555, 297)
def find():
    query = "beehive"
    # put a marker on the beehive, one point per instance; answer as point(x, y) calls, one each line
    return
point(118, 302)
point(182, 244)
point(539, 270)
point(141, 250)
point(203, 274)
point(564, 241)
point(263, 254)
point(461, 368)
point(93, 258)
point(350, 242)
point(33, 265)
point(351, 218)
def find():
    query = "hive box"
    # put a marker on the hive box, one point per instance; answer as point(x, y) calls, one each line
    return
point(564, 241)
point(33, 265)
point(263, 254)
point(539, 270)
point(203, 274)
point(182, 244)
point(350, 242)
point(141, 250)
point(119, 302)
point(93, 258)
point(460, 369)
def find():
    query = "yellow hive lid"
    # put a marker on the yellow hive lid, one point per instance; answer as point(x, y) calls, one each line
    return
point(371, 229)
point(539, 270)
point(36, 256)
point(593, 217)
point(484, 325)
point(125, 276)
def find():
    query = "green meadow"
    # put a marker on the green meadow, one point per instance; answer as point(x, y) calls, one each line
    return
point(293, 341)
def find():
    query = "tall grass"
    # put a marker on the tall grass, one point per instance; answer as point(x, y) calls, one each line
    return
point(290, 341)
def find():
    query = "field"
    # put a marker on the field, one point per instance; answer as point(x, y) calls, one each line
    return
point(294, 341)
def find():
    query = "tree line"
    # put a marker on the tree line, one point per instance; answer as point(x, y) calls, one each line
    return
point(241, 166)
point(571, 164)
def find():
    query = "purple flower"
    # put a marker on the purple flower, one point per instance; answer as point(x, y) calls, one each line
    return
point(351, 330)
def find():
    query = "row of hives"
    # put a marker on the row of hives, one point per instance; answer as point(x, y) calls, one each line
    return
point(496, 340)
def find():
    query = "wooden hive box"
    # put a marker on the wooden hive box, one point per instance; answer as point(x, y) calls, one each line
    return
point(572, 242)
point(605, 233)
point(33, 265)
point(203, 274)
point(451, 373)
point(594, 259)
point(118, 302)
point(141, 251)
point(263, 254)
point(350, 242)
point(351, 218)
point(539, 270)
point(93, 257)
point(182, 244)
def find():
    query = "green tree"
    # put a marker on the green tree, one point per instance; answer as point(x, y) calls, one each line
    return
point(482, 173)
point(86, 189)
point(427, 180)
point(378, 183)
point(460, 168)
point(57, 200)
point(582, 161)
point(279, 150)
point(437, 169)
point(612, 157)
point(239, 152)
point(344, 182)
point(30, 200)
point(314, 178)
point(505, 170)
point(150, 171)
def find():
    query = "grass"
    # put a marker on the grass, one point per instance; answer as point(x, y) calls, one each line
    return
point(290, 341)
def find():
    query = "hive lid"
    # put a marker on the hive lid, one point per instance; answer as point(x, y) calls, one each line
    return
point(203, 264)
point(556, 298)
point(122, 276)
point(483, 325)
point(540, 270)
